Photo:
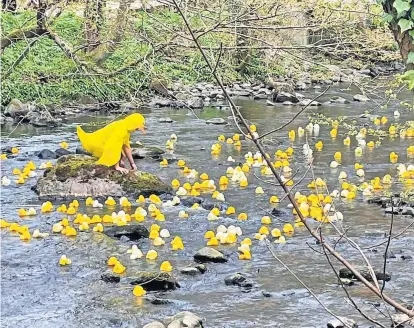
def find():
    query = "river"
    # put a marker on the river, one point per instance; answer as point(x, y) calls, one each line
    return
point(36, 292)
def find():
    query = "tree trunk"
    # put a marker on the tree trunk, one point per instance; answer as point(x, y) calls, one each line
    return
point(9, 5)
point(94, 18)
point(404, 40)
point(105, 51)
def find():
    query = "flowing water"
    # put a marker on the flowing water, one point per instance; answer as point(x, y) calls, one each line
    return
point(36, 292)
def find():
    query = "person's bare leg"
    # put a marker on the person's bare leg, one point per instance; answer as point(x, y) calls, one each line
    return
point(121, 169)
point(128, 154)
point(122, 161)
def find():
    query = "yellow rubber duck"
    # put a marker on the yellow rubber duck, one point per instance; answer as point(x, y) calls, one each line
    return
point(292, 135)
point(164, 162)
point(242, 217)
point(273, 200)
point(319, 145)
point(64, 145)
point(3, 156)
point(155, 199)
point(151, 255)
point(15, 150)
point(213, 242)
point(138, 291)
point(166, 266)
point(230, 210)
point(347, 141)
point(333, 133)
point(118, 268)
point(181, 163)
point(338, 156)
point(64, 260)
point(288, 228)
point(177, 244)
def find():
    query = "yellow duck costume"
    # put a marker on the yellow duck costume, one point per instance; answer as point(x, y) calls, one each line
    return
point(106, 143)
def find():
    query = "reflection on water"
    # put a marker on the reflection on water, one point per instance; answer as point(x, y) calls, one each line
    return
point(37, 292)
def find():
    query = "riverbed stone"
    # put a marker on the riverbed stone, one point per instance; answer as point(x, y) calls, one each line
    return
point(195, 102)
point(190, 271)
point(269, 103)
point(152, 280)
point(185, 319)
point(346, 273)
point(216, 121)
point(140, 152)
point(361, 98)
point(80, 176)
point(165, 120)
point(309, 102)
point(285, 96)
point(407, 210)
point(62, 152)
point(238, 279)
point(208, 254)
point(402, 320)
point(17, 109)
point(338, 100)
point(154, 324)
point(110, 276)
point(46, 154)
point(131, 231)
point(342, 323)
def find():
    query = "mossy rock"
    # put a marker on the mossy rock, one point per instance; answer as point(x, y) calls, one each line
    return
point(80, 176)
point(153, 280)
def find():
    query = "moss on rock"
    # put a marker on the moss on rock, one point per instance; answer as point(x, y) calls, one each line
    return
point(79, 175)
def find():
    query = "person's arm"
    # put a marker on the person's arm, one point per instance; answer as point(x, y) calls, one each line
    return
point(128, 153)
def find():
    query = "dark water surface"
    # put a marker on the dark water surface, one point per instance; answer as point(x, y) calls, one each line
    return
point(36, 292)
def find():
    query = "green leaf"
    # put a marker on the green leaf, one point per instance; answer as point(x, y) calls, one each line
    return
point(401, 6)
point(409, 77)
point(411, 33)
point(405, 24)
point(410, 59)
point(387, 18)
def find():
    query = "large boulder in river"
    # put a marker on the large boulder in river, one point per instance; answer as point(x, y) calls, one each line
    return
point(16, 108)
point(80, 176)
point(208, 254)
point(184, 319)
point(153, 280)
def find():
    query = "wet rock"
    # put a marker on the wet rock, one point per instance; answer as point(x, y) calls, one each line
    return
point(266, 293)
point(184, 319)
point(342, 323)
point(287, 103)
point(160, 102)
point(347, 282)
point(260, 96)
point(346, 273)
point(46, 154)
point(406, 210)
point(280, 87)
point(392, 210)
point(402, 320)
point(62, 152)
point(81, 151)
point(154, 324)
point(208, 254)
point(160, 87)
point(5, 120)
point(190, 201)
point(159, 301)
point(195, 270)
point(195, 102)
point(309, 102)
point(216, 121)
point(17, 109)
point(279, 213)
point(110, 276)
point(80, 176)
point(165, 120)
point(41, 118)
point(238, 279)
point(406, 257)
point(132, 232)
point(284, 96)
point(338, 100)
point(269, 103)
point(361, 98)
point(140, 152)
point(301, 86)
point(152, 280)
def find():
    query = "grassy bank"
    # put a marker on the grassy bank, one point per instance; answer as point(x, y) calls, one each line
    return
point(47, 75)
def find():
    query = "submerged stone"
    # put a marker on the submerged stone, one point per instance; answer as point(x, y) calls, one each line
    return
point(132, 232)
point(46, 154)
point(208, 254)
point(153, 280)
point(342, 323)
point(184, 319)
point(110, 276)
point(80, 176)
point(154, 324)
point(238, 279)
point(346, 273)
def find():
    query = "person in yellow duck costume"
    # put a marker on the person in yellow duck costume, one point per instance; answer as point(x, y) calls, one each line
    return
point(111, 144)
